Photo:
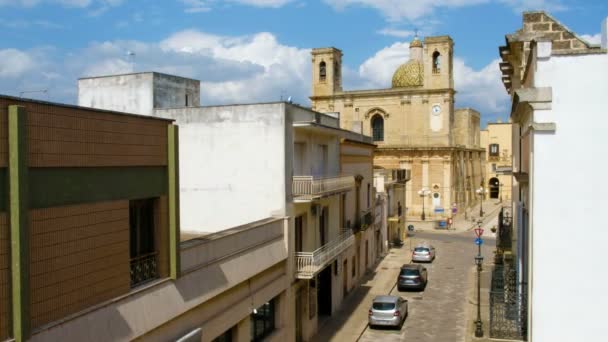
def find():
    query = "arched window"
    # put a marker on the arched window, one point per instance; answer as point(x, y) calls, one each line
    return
point(436, 62)
point(322, 71)
point(378, 127)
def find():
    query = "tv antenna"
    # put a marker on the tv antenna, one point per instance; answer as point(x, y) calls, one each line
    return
point(44, 91)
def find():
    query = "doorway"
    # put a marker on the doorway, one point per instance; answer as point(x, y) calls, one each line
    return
point(494, 187)
point(324, 292)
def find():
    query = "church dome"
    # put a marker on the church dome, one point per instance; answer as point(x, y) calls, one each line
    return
point(410, 74)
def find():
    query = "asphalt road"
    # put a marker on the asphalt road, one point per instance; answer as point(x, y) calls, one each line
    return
point(438, 312)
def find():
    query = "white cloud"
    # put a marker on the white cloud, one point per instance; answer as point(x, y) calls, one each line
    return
point(397, 10)
point(14, 63)
point(378, 70)
point(402, 10)
point(593, 38)
point(481, 89)
point(65, 3)
point(264, 3)
point(232, 69)
point(196, 6)
point(396, 33)
point(524, 5)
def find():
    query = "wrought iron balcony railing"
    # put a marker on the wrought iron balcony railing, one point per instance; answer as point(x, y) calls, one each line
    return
point(508, 305)
point(143, 269)
point(308, 264)
point(307, 188)
point(364, 222)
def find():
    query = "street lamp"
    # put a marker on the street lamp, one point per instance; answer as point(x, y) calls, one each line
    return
point(423, 193)
point(500, 190)
point(481, 192)
point(478, 324)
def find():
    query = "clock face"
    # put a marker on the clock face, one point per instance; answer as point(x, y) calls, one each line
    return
point(436, 109)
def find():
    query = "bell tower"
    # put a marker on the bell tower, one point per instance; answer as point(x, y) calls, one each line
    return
point(438, 62)
point(326, 71)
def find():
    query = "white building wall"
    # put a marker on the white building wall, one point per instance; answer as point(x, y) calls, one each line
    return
point(138, 93)
point(131, 93)
point(568, 190)
point(232, 164)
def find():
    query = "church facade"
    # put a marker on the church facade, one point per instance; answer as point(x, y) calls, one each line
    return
point(414, 125)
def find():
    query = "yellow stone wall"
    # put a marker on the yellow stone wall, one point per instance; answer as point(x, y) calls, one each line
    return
point(501, 134)
point(414, 137)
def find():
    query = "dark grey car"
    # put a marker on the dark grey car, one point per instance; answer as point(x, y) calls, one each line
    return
point(412, 276)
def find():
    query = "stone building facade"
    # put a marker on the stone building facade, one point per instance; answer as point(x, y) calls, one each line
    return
point(497, 138)
point(413, 123)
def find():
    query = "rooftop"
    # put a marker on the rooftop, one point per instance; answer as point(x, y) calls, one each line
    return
point(48, 103)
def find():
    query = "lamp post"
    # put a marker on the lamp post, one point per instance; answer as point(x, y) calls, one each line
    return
point(479, 262)
point(423, 193)
point(478, 324)
point(481, 192)
point(500, 189)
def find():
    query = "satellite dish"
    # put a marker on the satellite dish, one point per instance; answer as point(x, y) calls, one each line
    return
point(289, 99)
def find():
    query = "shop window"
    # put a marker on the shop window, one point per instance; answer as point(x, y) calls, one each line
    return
point(144, 263)
point(263, 321)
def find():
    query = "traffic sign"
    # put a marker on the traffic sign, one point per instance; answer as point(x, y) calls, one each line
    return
point(478, 241)
point(478, 231)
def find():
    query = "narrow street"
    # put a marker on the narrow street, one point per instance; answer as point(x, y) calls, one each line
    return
point(438, 312)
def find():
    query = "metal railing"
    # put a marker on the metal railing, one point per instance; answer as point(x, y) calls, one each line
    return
point(307, 264)
point(365, 221)
point(144, 268)
point(508, 305)
point(307, 188)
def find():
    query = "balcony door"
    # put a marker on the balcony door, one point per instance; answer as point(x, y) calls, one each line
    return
point(324, 226)
point(299, 159)
point(299, 227)
point(322, 161)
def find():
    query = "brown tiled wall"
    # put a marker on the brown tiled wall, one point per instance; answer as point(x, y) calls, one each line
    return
point(3, 138)
point(80, 257)
point(4, 276)
point(78, 137)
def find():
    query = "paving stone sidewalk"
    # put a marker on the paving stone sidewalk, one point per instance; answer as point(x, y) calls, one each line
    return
point(349, 322)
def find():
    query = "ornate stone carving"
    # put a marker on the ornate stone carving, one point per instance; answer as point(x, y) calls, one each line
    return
point(375, 111)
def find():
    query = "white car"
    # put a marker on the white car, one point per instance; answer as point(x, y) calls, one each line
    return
point(423, 253)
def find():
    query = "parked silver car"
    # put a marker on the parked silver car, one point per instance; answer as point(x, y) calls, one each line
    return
point(423, 252)
point(387, 311)
point(412, 276)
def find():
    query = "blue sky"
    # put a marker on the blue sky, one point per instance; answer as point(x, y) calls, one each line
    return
point(259, 50)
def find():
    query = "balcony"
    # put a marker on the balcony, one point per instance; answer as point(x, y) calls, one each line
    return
point(365, 221)
point(308, 264)
point(144, 268)
point(308, 188)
